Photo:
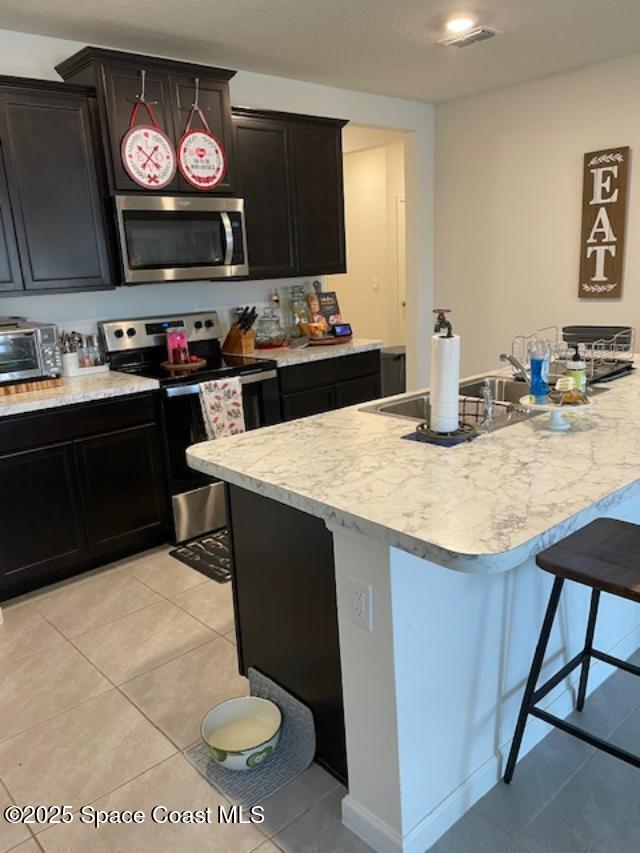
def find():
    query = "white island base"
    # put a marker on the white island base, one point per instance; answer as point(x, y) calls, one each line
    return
point(432, 692)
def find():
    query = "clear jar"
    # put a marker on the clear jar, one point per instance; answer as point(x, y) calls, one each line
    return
point(269, 332)
point(299, 308)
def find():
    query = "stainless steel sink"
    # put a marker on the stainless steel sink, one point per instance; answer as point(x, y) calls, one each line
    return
point(504, 390)
point(415, 407)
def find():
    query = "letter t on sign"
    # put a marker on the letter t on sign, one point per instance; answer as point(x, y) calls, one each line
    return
point(604, 210)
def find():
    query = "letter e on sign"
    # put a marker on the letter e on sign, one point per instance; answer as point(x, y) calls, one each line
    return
point(604, 211)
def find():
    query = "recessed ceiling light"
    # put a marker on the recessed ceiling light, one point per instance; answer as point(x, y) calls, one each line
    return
point(460, 24)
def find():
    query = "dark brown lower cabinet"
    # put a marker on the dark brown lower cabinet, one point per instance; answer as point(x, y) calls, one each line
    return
point(301, 404)
point(286, 611)
point(42, 533)
point(79, 486)
point(122, 488)
point(358, 391)
point(321, 386)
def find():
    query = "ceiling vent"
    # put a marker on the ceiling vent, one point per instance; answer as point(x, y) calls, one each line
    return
point(470, 37)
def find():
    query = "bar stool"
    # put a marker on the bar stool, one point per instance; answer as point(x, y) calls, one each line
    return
point(604, 555)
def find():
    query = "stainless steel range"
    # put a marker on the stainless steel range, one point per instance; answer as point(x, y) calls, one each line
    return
point(139, 346)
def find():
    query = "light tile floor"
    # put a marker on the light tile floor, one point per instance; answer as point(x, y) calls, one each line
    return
point(103, 682)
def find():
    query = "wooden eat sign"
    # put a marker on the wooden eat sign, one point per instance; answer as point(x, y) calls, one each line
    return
point(604, 210)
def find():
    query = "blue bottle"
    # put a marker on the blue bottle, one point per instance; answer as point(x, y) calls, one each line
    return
point(539, 387)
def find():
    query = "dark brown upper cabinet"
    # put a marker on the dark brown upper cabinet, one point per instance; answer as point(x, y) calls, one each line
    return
point(262, 145)
point(121, 87)
point(10, 272)
point(117, 78)
point(290, 175)
point(53, 200)
point(316, 156)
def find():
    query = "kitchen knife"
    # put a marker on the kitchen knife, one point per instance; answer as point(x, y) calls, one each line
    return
point(242, 318)
point(253, 316)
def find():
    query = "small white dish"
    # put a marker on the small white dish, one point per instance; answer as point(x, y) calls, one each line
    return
point(242, 733)
point(556, 421)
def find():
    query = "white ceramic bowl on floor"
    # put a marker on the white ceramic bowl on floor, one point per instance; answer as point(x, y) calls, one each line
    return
point(242, 733)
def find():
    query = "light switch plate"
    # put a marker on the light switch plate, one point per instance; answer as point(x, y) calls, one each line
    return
point(361, 603)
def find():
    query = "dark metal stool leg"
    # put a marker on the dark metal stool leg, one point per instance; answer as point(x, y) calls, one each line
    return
point(536, 666)
point(588, 648)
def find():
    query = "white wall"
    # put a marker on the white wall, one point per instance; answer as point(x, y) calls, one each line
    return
point(35, 56)
point(368, 292)
point(508, 202)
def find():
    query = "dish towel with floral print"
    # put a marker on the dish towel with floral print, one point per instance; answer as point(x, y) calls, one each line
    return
point(221, 404)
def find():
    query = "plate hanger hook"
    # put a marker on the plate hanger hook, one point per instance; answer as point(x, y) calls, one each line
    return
point(141, 97)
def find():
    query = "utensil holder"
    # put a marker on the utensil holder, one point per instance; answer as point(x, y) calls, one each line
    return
point(238, 342)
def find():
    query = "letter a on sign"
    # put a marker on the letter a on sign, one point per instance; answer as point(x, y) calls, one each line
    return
point(604, 210)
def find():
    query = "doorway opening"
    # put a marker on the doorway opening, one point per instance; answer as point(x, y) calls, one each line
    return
point(372, 293)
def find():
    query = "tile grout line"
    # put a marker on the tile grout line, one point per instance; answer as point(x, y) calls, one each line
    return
point(117, 788)
point(117, 619)
point(193, 616)
point(32, 834)
point(59, 713)
point(303, 813)
point(119, 687)
point(102, 624)
point(131, 702)
point(52, 589)
point(580, 767)
point(593, 754)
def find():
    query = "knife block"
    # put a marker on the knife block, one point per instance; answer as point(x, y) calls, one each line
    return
point(238, 342)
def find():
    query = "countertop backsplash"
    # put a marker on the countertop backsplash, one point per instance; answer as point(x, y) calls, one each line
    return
point(82, 311)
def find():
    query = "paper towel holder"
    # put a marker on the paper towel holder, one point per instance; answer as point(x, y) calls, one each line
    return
point(442, 324)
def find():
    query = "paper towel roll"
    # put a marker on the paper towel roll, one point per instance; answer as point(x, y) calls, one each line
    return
point(445, 381)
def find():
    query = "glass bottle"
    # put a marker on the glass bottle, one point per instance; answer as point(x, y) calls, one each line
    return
point(299, 309)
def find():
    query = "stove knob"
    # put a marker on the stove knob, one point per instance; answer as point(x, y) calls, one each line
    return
point(208, 323)
point(198, 324)
point(131, 332)
point(119, 333)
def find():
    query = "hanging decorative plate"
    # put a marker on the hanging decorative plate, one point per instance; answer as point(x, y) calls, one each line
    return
point(201, 159)
point(147, 154)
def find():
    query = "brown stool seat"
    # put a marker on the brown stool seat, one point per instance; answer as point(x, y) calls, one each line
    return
point(604, 555)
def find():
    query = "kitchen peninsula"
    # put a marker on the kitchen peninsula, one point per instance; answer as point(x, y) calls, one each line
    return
point(437, 546)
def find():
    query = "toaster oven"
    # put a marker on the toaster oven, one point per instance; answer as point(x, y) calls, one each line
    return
point(28, 350)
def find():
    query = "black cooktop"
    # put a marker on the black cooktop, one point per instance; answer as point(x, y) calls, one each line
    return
point(141, 364)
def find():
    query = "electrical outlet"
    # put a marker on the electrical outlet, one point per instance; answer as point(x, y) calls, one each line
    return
point(361, 595)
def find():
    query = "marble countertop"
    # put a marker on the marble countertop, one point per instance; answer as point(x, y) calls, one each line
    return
point(287, 357)
point(480, 507)
point(76, 389)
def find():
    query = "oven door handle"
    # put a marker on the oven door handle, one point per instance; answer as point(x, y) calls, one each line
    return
point(247, 379)
point(228, 238)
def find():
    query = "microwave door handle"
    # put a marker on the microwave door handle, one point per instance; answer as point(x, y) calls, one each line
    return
point(228, 237)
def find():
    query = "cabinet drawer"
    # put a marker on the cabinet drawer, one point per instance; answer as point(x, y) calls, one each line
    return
point(305, 403)
point(302, 377)
point(357, 391)
point(23, 431)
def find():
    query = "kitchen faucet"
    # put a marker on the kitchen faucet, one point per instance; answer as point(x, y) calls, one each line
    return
point(519, 368)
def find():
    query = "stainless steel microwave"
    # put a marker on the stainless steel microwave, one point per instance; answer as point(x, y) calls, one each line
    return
point(28, 350)
point(181, 238)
